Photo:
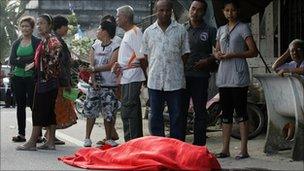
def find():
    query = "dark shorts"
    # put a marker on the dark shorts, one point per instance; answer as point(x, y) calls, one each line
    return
point(44, 108)
point(233, 100)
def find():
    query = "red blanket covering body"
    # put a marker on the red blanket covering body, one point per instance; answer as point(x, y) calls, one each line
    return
point(146, 153)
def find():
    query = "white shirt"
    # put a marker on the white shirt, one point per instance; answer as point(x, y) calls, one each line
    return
point(131, 44)
point(116, 39)
point(165, 51)
point(102, 56)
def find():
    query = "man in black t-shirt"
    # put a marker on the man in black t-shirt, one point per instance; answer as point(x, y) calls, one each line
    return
point(198, 66)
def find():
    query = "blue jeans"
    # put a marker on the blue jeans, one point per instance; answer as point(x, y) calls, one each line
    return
point(174, 102)
point(197, 89)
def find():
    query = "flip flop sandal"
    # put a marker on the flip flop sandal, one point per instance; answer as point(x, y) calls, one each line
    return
point(59, 142)
point(241, 156)
point(101, 142)
point(222, 155)
point(23, 148)
point(46, 147)
point(41, 140)
point(18, 138)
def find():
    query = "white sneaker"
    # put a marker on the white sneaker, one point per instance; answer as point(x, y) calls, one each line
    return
point(111, 143)
point(87, 143)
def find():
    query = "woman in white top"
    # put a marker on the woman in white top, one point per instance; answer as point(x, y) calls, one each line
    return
point(101, 95)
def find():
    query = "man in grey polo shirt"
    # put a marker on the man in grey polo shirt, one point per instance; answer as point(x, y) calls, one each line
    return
point(197, 70)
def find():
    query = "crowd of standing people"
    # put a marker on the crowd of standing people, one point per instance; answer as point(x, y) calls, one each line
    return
point(173, 60)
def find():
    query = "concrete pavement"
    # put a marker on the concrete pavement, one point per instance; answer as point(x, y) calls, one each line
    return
point(73, 136)
point(27, 160)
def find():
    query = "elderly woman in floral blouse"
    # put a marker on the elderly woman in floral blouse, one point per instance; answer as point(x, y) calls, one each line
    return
point(47, 70)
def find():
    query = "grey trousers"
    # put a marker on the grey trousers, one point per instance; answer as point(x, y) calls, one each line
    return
point(131, 110)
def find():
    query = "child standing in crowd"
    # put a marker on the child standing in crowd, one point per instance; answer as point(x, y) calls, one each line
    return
point(234, 44)
point(101, 97)
point(296, 66)
point(117, 40)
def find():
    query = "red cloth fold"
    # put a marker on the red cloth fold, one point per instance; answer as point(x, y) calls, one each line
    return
point(146, 153)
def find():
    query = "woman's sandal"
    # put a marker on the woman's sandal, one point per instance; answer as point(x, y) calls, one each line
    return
point(23, 148)
point(222, 155)
point(41, 140)
point(59, 142)
point(18, 138)
point(241, 156)
point(101, 142)
point(46, 147)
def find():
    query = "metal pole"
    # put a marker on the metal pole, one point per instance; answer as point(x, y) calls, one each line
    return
point(264, 62)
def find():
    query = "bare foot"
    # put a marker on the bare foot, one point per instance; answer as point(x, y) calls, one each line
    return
point(27, 147)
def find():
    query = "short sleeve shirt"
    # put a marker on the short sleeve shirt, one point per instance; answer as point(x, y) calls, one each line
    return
point(201, 40)
point(116, 39)
point(290, 65)
point(233, 72)
point(130, 45)
point(102, 56)
point(164, 51)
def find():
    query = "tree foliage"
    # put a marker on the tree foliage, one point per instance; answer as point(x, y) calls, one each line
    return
point(79, 47)
point(10, 11)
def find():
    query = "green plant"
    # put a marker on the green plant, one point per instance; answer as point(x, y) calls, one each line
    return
point(79, 47)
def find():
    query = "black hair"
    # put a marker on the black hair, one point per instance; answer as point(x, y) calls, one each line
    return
point(59, 21)
point(109, 27)
point(203, 2)
point(233, 2)
point(107, 18)
point(48, 18)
